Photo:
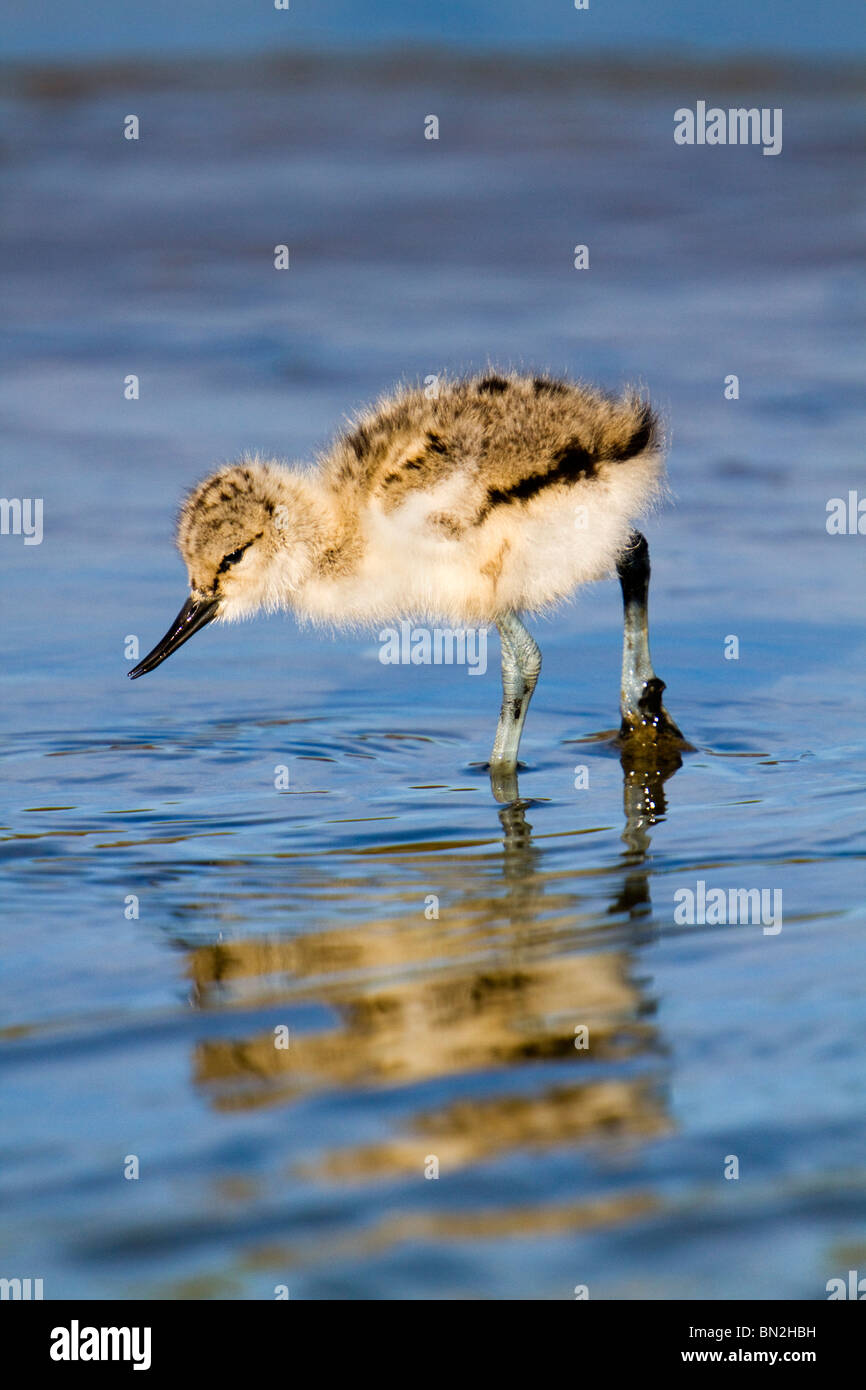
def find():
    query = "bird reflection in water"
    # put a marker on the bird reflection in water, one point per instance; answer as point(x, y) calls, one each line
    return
point(501, 981)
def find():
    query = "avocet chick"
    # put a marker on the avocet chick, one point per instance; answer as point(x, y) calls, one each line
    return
point(500, 495)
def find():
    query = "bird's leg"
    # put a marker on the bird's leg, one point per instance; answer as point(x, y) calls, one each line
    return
point(641, 693)
point(521, 663)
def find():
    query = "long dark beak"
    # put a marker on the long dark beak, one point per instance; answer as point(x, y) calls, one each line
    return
point(195, 613)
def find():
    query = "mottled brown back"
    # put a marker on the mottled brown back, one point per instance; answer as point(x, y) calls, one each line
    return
point(509, 435)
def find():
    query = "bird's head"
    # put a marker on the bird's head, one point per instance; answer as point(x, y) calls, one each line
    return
point(246, 540)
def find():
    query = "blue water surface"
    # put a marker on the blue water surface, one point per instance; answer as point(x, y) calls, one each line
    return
point(415, 1037)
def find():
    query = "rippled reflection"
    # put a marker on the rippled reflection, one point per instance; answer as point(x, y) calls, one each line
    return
point(506, 977)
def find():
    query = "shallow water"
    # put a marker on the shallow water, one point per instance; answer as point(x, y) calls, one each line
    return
point(413, 1036)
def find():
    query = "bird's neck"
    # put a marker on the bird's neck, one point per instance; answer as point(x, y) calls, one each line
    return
point(321, 534)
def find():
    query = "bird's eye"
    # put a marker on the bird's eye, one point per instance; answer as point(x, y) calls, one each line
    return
point(229, 560)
